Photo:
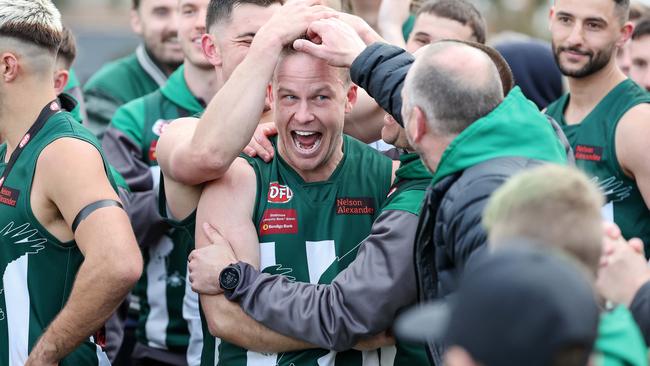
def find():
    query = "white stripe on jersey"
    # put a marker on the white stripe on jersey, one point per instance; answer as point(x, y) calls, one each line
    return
point(158, 318)
point(328, 359)
point(193, 318)
point(320, 256)
point(370, 358)
point(388, 355)
point(16, 295)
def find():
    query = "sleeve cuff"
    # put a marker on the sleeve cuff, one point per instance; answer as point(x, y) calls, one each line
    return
point(248, 275)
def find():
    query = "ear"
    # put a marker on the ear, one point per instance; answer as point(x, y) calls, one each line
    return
point(9, 67)
point(626, 34)
point(210, 50)
point(551, 14)
point(136, 22)
point(420, 127)
point(270, 98)
point(61, 78)
point(351, 99)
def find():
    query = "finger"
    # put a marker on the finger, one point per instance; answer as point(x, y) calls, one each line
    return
point(266, 144)
point(250, 151)
point(309, 48)
point(637, 245)
point(259, 150)
point(611, 230)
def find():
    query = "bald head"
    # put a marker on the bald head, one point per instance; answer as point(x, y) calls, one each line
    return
point(438, 84)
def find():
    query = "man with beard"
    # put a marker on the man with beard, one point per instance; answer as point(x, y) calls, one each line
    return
point(605, 115)
point(143, 71)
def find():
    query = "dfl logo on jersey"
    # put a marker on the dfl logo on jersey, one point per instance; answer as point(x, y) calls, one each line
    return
point(279, 193)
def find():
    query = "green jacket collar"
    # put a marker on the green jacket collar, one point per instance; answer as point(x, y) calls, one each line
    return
point(515, 128)
point(411, 167)
point(177, 91)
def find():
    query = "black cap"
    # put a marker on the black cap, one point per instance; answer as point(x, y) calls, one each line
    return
point(516, 306)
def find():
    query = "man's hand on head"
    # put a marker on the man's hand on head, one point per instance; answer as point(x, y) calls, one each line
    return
point(339, 43)
point(292, 20)
point(205, 264)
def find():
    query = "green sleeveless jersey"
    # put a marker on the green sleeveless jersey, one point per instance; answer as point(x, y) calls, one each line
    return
point(38, 270)
point(593, 143)
point(162, 286)
point(310, 232)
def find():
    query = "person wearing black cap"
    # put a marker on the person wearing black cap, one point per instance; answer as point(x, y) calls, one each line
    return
point(545, 315)
point(560, 208)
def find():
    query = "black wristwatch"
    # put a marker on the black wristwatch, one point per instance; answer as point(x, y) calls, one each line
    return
point(230, 277)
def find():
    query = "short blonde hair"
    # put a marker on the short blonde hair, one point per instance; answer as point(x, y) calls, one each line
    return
point(554, 205)
point(33, 21)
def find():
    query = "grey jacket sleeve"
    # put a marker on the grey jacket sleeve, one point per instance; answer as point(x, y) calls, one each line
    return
point(380, 70)
point(363, 300)
point(640, 309)
point(125, 156)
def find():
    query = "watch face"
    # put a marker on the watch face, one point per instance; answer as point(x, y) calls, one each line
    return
point(229, 278)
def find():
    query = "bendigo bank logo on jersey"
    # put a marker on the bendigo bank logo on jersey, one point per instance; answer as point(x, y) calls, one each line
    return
point(355, 206)
point(279, 221)
point(279, 193)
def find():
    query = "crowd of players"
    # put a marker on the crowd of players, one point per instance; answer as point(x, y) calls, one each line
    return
point(287, 183)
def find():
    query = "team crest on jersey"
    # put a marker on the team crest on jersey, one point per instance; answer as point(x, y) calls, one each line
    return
point(159, 127)
point(279, 193)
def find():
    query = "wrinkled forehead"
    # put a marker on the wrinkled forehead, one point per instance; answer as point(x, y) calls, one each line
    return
point(302, 70)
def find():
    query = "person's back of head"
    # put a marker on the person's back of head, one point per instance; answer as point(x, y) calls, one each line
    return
point(30, 30)
point(554, 205)
point(460, 11)
point(521, 305)
point(438, 84)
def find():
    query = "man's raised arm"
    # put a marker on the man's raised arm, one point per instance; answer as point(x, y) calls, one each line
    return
point(197, 154)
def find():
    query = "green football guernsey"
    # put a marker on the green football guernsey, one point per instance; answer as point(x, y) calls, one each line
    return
point(310, 232)
point(38, 270)
point(162, 286)
point(593, 143)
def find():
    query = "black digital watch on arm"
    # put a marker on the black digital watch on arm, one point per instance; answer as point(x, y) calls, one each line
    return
point(230, 277)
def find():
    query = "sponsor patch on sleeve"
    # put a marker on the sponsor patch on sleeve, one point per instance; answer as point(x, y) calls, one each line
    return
point(9, 196)
point(355, 206)
point(279, 221)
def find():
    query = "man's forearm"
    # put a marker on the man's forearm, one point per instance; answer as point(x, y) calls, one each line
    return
point(96, 293)
point(338, 315)
point(230, 119)
point(227, 321)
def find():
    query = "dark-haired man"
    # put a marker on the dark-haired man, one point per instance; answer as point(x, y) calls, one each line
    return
point(640, 55)
point(605, 115)
point(67, 255)
point(141, 72)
